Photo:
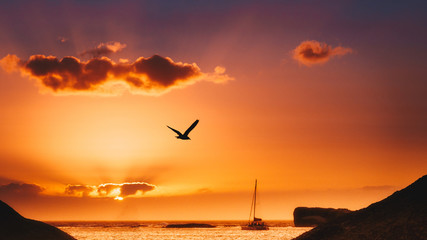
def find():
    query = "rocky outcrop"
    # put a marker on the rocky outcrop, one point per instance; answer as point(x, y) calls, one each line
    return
point(311, 217)
point(15, 227)
point(190, 225)
point(403, 215)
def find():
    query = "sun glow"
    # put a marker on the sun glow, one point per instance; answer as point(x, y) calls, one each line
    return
point(118, 198)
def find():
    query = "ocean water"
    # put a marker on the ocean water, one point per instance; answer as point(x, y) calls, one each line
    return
point(229, 230)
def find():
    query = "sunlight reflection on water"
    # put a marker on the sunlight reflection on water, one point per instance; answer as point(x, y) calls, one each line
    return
point(153, 233)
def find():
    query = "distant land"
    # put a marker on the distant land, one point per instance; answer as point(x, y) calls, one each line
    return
point(403, 215)
point(13, 226)
point(190, 225)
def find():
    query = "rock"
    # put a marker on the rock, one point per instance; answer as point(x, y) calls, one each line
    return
point(403, 215)
point(311, 217)
point(190, 225)
point(13, 226)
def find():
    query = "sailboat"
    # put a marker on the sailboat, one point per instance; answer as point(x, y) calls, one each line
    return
point(254, 223)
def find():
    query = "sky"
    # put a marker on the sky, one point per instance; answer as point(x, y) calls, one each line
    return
point(324, 102)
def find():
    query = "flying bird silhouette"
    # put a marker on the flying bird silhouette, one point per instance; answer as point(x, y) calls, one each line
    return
point(185, 135)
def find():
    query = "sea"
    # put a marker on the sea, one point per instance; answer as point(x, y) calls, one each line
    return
point(155, 230)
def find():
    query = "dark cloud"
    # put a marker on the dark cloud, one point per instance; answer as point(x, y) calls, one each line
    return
point(132, 188)
point(153, 75)
point(104, 49)
point(20, 189)
point(164, 70)
point(314, 52)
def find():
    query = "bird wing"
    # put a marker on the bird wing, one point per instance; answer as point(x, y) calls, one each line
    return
point(191, 127)
point(177, 132)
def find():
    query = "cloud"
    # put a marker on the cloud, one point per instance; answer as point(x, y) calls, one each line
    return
point(22, 189)
point(10, 63)
point(4, 180)
point(128, 189)
point(79, 190)
point(110, 190)
point(104, 49)
point(314, 52)
point(149, 76)
point(379, 188)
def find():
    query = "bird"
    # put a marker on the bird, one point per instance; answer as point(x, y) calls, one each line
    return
point(185, 135)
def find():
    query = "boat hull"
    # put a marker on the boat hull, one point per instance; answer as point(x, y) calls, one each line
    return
point(254, 227)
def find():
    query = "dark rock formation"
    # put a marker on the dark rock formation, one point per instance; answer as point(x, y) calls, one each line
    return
point(190, 225)
point(311, 217)
point(15, 227)
point(403, 215)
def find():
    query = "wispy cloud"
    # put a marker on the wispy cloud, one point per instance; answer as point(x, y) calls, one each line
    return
point(379, 188)
point(150, 76)
point(314, 52)
point(104, 49)
point(110, 190)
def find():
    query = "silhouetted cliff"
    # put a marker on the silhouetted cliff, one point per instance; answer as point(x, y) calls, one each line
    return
point(15, 227)
point(403, 215)
point(311, 217)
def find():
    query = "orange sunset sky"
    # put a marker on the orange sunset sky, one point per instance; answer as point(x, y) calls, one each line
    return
point(324, 103)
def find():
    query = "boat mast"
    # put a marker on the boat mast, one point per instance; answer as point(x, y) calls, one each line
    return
point(253, 205)
point(255, 198)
